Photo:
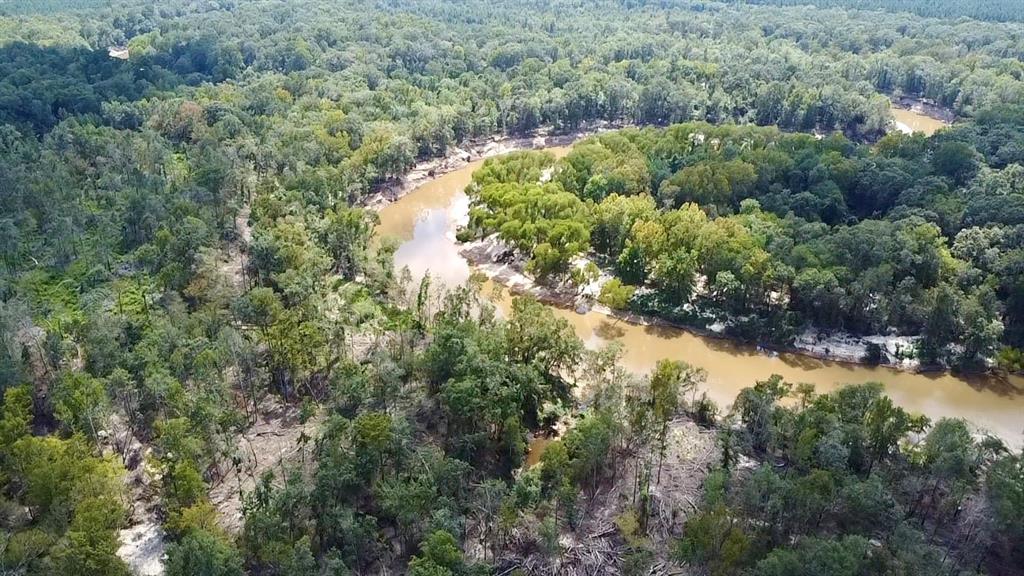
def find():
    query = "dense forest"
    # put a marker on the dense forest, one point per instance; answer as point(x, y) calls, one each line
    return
point(998, 10)
point(773, 231)
point(202, 341)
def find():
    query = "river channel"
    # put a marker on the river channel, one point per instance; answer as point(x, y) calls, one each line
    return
point(425, 221)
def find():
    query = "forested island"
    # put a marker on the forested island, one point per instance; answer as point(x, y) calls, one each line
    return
point(768, 232)
point(211, 366)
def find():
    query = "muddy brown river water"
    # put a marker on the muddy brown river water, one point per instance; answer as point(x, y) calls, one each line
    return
point(425, 221)
point(909, 121)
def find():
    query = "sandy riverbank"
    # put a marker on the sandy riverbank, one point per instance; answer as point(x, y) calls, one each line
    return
point(925, 107)
point(489, 256)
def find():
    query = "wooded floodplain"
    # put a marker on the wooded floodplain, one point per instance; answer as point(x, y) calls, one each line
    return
point(773, 232)
point(209, 365)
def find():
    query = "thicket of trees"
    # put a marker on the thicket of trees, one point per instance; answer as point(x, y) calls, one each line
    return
point(774, 231)
point(848, 494)
point(444, 76)
point(181, 244)
point(998, 10)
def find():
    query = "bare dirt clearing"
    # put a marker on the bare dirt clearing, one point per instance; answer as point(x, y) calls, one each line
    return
point(275, 440)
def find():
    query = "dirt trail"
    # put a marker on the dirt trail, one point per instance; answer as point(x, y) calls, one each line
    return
point(142, 540)
point(233, 257)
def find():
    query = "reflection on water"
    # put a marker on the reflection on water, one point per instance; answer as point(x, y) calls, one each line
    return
point(909, 121)
point(432, 248)
point(426, 219)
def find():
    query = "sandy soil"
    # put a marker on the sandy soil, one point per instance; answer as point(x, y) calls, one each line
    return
point(142, 548)
point(488, 255)
point(142, 540)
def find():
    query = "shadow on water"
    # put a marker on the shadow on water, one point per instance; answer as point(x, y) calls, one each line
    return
point(1001, 384)
point(802, 362)
point(610, 329)
point(732, 347)
point(662, 331)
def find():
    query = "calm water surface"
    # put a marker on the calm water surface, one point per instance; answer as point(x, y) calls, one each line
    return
point(910, 121)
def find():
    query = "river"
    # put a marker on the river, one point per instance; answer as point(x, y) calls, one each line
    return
point(909, 121)
point(425, 221)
